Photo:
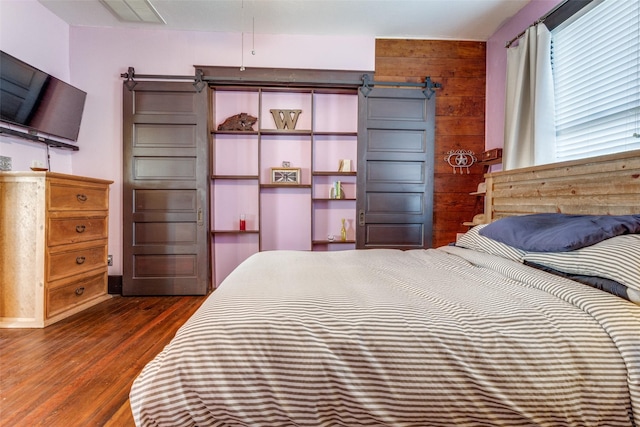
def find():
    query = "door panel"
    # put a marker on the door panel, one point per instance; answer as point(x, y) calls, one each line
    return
point(166, 266)
point(150, 201)
point(160, 135)
point(165, 233)
point(165, 197)
point(395, 162)
point(395, 203)
point(390, 235)
point(167, 168)
point(395, 172)
point(396, 141)
point(395, 107)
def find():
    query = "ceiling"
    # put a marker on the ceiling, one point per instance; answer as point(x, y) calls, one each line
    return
point(423, 19)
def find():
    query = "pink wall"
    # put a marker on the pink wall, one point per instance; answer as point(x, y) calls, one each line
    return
point(497, 67)
point(100, 55)
point(46, 49)
point(93, 59)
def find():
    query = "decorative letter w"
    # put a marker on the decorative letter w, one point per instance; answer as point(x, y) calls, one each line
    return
point(285, 119)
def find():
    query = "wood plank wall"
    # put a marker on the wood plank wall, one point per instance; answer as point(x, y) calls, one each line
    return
point(460, 114)
point(604, 185)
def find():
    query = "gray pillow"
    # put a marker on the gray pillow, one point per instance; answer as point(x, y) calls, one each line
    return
point(555, 232)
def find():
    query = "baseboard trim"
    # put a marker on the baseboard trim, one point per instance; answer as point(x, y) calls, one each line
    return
point(114, 285)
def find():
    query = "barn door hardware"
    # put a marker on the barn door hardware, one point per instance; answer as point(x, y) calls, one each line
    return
point(198, 83)
point(130, 75)
point(428, 85)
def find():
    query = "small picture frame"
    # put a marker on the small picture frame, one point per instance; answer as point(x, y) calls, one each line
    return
point(285, 176)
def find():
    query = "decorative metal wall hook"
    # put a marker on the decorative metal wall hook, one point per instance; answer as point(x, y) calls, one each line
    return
point(130, 74)
point(198, 83)
point(460, 159)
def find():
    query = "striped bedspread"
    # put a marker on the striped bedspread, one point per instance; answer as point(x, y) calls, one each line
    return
point(438, 337)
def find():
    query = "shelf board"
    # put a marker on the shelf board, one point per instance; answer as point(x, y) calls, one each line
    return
point(334, 242)
point(36, 138)
point(335, 133)
point(328, 199)
point(239, 177)
point(287, 89)
point(490, 162)
point(231, 88)
point(282, 132)
point(335, 91)
point(285, 132)
point(235, 231)
point(285, 185)
point(234, 132)
point(333, 173)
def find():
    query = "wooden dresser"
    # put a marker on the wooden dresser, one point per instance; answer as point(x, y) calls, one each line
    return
point(53, 246)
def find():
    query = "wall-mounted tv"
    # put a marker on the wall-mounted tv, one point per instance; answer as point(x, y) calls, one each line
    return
point(38, 101)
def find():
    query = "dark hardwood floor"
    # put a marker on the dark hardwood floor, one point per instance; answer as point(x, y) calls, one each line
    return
point(78, 372)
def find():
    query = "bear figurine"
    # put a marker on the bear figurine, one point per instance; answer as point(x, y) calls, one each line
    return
point(242, 122)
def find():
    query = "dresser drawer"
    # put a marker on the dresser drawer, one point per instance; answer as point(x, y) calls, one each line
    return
point(76, 292)
point(65, 196)
point(69, 263)
point(61, 231)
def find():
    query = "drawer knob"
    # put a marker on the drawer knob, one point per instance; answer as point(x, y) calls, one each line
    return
point(80, 260)
point(82, 197)
point(80, 228)
point(80, 291)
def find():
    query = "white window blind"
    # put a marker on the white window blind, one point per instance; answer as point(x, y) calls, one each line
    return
point(596, 61)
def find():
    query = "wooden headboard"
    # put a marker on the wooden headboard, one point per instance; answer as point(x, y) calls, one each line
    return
point(606, 185)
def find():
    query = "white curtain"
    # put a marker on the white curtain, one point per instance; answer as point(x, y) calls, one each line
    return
point(529, 133)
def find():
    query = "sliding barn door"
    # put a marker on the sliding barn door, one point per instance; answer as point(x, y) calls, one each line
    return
point(395, 169)
point(165, 190)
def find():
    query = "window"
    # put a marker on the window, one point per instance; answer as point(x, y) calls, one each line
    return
point(596, 71)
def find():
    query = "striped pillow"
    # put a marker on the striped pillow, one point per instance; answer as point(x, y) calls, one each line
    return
point(607, 285)
point(617, 258)
point(473, 240)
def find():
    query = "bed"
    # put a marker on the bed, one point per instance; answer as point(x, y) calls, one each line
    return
point(483, 332)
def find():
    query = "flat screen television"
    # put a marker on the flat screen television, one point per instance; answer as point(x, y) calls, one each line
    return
point(38, 101)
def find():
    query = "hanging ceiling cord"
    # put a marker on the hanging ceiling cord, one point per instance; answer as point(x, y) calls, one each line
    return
point(242, 39)
point(253, 38)
point(253, 35)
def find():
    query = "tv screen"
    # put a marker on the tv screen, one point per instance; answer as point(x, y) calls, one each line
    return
point(38, 101)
